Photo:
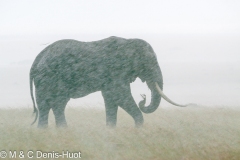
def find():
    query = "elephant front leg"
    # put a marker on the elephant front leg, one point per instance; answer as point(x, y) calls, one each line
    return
point(128, 104)
point(120, 95)
point(111, 109)
point(111, 115)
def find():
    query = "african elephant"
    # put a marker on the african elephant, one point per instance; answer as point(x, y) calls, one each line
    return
point(73, 69)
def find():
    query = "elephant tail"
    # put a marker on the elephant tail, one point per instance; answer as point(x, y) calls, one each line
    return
point(35, 110)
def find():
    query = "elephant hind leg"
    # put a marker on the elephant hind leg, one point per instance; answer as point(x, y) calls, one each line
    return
point(58, 106)
point(44, 108)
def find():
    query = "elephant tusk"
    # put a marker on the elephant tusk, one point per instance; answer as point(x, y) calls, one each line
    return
point(166, 98)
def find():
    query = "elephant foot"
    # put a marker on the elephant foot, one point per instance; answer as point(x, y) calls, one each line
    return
point(63, 125)
point(40, 126)
point(111, 125)
point(42, 123)
point(139, 122)
point(138, 125)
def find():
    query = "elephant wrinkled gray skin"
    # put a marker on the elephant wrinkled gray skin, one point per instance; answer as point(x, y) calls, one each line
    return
point(72, 69)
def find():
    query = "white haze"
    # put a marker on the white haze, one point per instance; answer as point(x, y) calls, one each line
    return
point(196, 42)
point(197, 69)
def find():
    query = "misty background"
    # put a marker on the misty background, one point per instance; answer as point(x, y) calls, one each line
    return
point(197, 44)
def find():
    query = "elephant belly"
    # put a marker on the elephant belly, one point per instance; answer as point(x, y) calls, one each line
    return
point(83, 87)
point(81, 92)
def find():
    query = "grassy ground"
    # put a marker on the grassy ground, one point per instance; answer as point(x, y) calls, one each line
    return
point(168, 134)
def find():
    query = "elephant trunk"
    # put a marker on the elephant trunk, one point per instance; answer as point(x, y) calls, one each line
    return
point(155, 99)
point(156, 94)
point(155, 83)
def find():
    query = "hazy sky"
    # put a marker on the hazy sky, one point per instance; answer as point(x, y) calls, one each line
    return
point(196, 68)
point(123, 16)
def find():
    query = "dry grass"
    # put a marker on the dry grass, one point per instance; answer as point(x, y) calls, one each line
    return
point(178, 134)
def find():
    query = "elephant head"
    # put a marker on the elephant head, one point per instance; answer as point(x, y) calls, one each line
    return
point(151, 73)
